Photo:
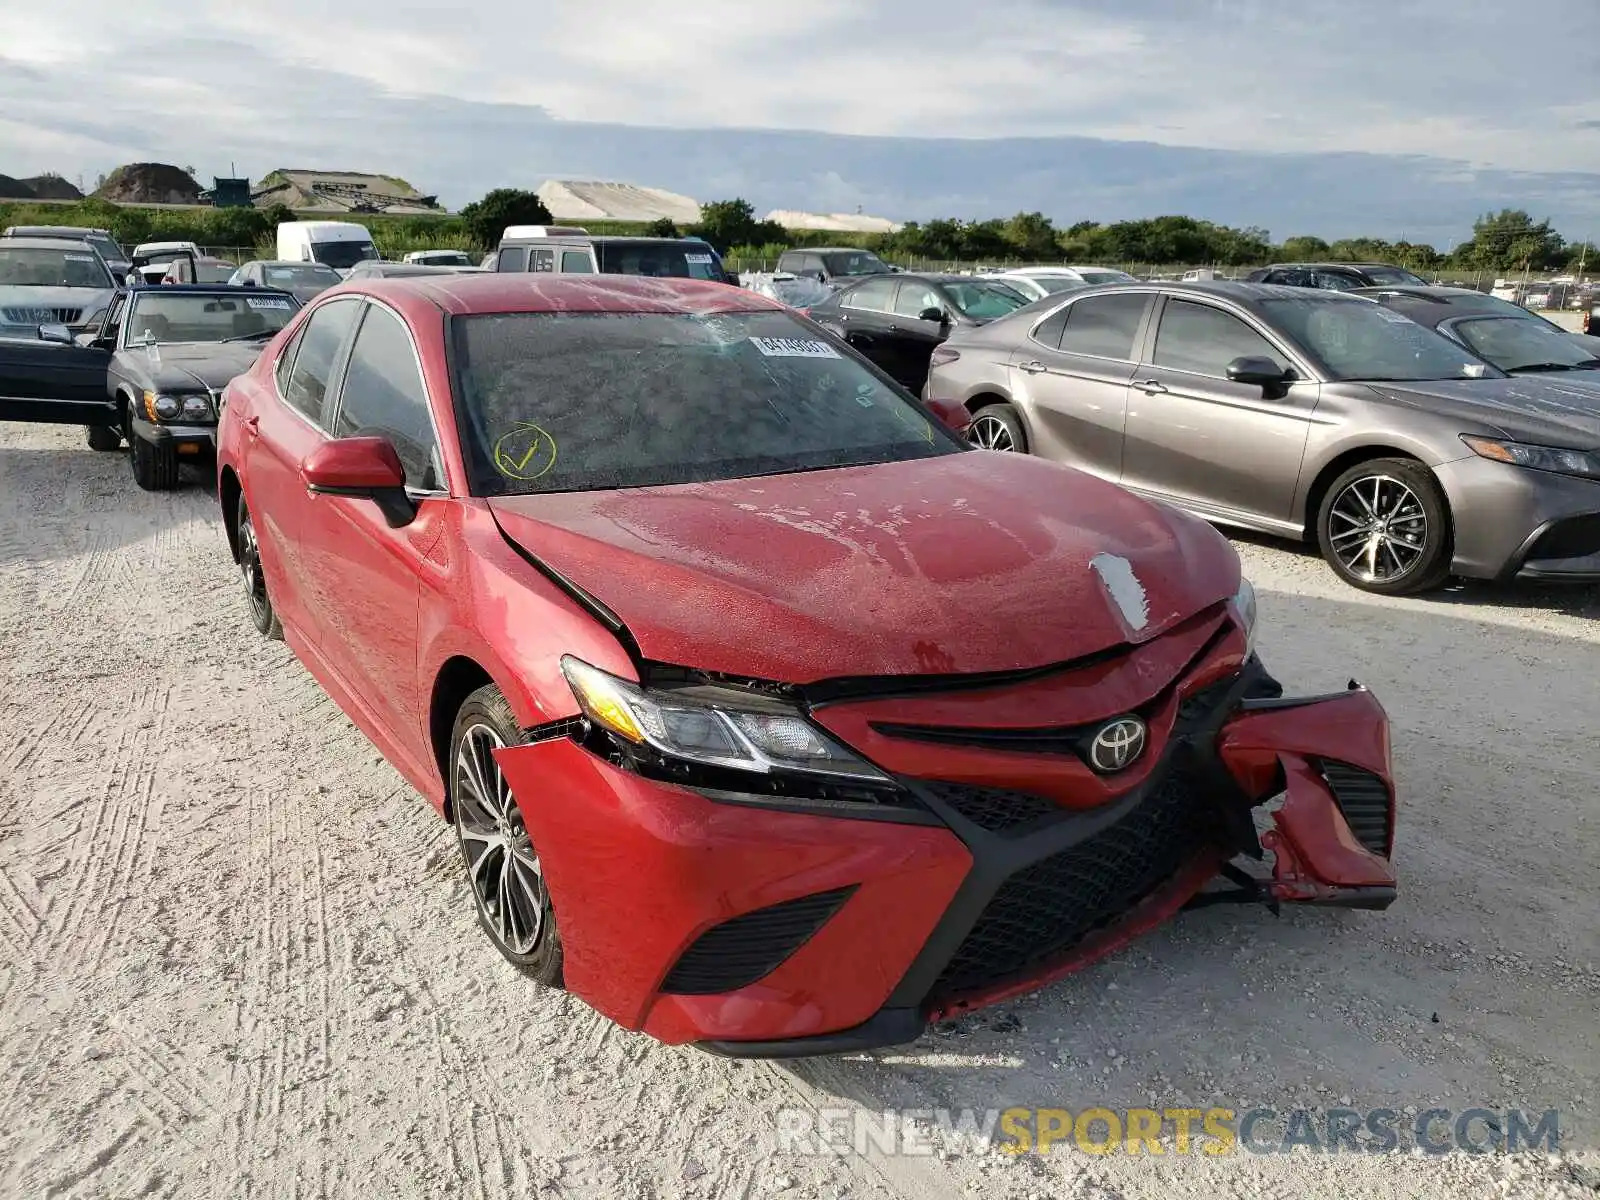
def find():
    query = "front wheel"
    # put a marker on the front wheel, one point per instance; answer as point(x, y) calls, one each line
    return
point(1384, 527)
point(103, 438)
point(503, 869)
point(997, 427)
point(155, 468)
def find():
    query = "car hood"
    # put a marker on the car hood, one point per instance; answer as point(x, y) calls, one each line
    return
point(1561, 409)
point(181, 366)
point(968, 562)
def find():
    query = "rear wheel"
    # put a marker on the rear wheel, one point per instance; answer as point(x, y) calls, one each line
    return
point(155, 468)
point(997, 427)
point(262, 613)
point(503, 869)
point(103, 438)
point(1384, 527)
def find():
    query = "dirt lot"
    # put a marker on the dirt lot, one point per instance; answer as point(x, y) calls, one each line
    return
point(237, 959)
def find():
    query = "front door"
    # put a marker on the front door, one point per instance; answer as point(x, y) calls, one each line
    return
point(54, 382)
point(1228, 449)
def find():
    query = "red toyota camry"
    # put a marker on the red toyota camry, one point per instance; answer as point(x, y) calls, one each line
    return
point(771, 716)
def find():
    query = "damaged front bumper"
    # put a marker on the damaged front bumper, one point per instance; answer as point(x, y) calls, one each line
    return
point(759, 932)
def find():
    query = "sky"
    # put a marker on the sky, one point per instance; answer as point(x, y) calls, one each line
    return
point(1395, 118)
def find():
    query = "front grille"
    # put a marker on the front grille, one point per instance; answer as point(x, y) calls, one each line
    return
point(1045, 909)
point(1576, 537)
point(42, 316)
point(751, 946)
point(1364, 800)
point(994, 809)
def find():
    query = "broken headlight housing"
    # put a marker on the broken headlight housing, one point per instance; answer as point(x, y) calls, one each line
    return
point(1243, 607)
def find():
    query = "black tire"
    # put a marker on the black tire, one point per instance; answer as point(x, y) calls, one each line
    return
point(155, 468)
point(997, 427)
point(262, 614)
point(1384, 527)
point(103, 438)
point(493, 840)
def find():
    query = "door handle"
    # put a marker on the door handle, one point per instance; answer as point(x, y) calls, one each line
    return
point(1032, 368)
point(252, 426)
point(1151, 387)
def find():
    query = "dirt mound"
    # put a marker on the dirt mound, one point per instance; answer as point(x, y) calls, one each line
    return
point(52, 187)
point(149, 183)
point(15, 189)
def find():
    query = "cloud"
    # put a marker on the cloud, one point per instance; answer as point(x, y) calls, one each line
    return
point(1328, 116)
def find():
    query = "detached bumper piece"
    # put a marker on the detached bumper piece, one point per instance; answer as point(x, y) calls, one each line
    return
point(764, 931)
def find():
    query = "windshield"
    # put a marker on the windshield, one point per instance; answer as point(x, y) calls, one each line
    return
point(1360, 340)
point(301, 275)
point(1513, 344)
point(445, 258)
point(343, 255)
point(664, 260)
point(1391, 276)
point(108, 249)
point(557, 402)
point(29, 266)
point(216, 271)
point(859, 262)
point(171, 316)
point(985, 301)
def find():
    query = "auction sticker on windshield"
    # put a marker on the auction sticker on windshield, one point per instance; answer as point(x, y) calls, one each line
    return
point(793, 348)
point(268, 302)
point(79, 257)
point(701, 259)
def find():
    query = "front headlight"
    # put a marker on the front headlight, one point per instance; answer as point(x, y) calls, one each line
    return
point(159, 406)
point(1244, 611)
point(1538, 458)
point(739, 733)
point(197, 408)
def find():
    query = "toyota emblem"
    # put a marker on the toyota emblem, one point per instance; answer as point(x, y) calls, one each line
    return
point(1117, 745)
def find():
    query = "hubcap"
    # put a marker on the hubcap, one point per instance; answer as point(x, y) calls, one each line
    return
point(501, 864)
point(250, 564)
point(1378, 529)
point(991, 433)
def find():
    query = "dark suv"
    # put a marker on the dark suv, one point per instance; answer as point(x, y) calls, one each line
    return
point(570, 250)
point(1335, 277)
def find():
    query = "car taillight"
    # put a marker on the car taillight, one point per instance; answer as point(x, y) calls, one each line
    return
point(942, 355)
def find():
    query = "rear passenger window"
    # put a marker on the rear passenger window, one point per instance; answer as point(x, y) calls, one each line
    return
point(320, 341)
point(543, 261)
point(513, 258)
point(1049, 331)
point(1104, 326)
point(876, 295)
point(575, 262)
point(286, 361)
point(383, 395)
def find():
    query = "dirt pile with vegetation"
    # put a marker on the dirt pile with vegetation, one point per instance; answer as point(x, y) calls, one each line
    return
point(149, 183)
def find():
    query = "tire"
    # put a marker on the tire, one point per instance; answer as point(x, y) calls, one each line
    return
point(997, 427)
point(1384, 527)
point(103, 438)
point(493, 838)
point(262, 614)
point(155, 468)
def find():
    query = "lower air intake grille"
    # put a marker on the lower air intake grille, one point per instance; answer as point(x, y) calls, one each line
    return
point(1364, 801)
point(1044, 910)
point(994, 809)
point(751, 946)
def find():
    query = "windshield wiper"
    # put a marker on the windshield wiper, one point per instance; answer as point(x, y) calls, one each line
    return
point(1544, 366)
point(245, 337)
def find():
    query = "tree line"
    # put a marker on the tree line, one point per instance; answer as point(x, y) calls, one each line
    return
point(1509, 240)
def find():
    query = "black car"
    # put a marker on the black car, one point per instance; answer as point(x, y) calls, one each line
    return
point(152, 373)
point(1517, 341)
point(106, 246)
point(1337, 277)
point(897, 320)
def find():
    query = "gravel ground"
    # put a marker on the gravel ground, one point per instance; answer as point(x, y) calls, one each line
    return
point(237, 957)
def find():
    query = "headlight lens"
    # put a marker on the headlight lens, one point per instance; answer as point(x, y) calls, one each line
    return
point(197, 408)
point(1538, 458)
point(1244, 611)
point(740, 734)
point(161, 407)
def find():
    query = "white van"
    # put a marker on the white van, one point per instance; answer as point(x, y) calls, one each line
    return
point(337, 244)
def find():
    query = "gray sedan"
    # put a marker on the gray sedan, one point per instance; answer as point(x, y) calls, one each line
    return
point(1309, 414)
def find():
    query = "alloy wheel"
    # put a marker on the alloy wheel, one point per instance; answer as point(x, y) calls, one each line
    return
point(255, 582)
point(1378, 528)
point(503, 869)
point(989, 432)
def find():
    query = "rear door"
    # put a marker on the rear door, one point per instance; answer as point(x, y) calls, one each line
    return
point(865, 314)
point(1071, 379)
point(1228, 449)
point(280, 438)
point(912, 339)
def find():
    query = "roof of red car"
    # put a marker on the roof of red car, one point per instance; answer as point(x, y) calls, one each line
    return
point(494, 292)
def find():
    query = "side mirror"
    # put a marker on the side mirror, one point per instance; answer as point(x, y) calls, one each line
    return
point(937, 315)
point(1260, 372)
point(363, 467)
point(248, 283)
point(952, 414)
point(59, 335)
point(132, 279)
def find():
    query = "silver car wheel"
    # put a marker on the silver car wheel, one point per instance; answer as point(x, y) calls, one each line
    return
point(1378, 529)
point(501, 864)
point(990, 433)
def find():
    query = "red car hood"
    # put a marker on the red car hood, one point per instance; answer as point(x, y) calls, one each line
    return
point(969, 562)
